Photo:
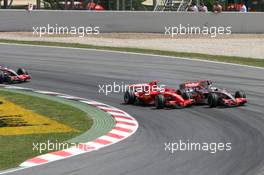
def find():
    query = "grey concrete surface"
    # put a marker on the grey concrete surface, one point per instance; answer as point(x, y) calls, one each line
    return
point(78, 72)
point(147, 22)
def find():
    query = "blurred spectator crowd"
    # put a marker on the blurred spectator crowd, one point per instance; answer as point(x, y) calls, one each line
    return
point(217, 7)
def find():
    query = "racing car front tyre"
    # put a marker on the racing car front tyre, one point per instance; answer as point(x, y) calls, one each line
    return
point(212, 100)
point(159, 101)
point(240, 94)
point(129, 97)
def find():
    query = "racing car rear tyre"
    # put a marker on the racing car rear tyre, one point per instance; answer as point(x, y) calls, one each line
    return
point(185, 95)
point(240, 94)
point(212, 100)
point(159, 101)
point(22, 71)
point(2, 77)
point(129, 97)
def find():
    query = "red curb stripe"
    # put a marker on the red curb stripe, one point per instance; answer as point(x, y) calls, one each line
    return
point(37, 160)
point(102, 141)
point(122, 129)
point(122, 117)
point(125, 123)
point(115, 135)
point(61, 153)
point(85, 147)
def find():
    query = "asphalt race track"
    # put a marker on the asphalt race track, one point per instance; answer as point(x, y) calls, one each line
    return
point(79, 72)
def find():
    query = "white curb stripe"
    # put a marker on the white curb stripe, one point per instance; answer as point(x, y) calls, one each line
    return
point(96, 145)
point(130, 122)
point(28, 164)
point(15, 87)
point(117, 132)
point(123, 120)
point(90, 102)
point(47, 92)
point(70, 97)
point(50, 157)
point(111, 139)
point(118, 114)
point(125, 126)
point(109, 108)
point(74, 151)
point(120, 132)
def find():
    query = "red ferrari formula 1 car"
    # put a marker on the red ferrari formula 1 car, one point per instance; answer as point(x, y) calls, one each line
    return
point(152, 94)
point(204, 93)
point(10, 76)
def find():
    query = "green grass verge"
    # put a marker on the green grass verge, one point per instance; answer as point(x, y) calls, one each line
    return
point(227, 59)
point(16, 149)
